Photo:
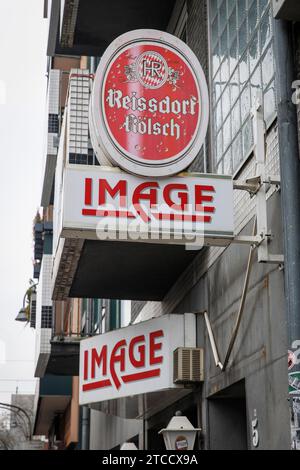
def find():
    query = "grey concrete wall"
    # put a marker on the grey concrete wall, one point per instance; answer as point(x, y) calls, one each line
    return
point(259, 355)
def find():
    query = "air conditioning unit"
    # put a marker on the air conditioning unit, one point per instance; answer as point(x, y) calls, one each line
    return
point(286, 9)
point(188, 365)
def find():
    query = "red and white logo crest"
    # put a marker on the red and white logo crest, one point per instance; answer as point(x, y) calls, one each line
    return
point(149, 109)
point(152, 70)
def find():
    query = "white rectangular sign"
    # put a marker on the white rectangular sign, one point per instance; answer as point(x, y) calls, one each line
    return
point(115, 205)
point(133, 360)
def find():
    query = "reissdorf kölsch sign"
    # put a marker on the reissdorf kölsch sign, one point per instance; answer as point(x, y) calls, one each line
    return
point(149, 107)
point(148, 121)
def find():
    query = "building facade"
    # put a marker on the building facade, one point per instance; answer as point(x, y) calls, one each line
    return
point(244, 296)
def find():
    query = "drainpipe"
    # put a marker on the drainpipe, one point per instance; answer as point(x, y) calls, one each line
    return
point(85, 428)
point(93, 65)
point(290, 187)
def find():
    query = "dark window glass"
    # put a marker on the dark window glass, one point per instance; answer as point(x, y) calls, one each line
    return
point(46, 317)
point(53, 123)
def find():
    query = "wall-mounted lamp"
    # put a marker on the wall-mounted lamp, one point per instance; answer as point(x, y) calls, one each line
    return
point(128, 446)
point(22, 315)
point(180, 434)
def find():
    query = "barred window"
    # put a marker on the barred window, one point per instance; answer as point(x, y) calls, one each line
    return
point(33, 314)
point(92, 314)
point(53, 123)
point(46, 317)
point(78, 158)
point(84, 159)
point(242, 64)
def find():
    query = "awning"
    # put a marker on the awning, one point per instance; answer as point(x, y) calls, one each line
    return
point(87, 27)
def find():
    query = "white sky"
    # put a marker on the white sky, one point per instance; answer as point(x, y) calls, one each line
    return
point(23, 37)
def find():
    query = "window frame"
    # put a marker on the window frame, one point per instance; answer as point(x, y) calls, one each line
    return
point(214, 133)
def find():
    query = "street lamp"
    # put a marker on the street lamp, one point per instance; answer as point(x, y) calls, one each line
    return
point(17, 409)
point(180, 434)
point(22, 315)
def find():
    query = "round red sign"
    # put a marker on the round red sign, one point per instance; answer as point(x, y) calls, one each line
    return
point(149, 109)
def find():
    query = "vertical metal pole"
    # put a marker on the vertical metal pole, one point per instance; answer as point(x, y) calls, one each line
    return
point(62, 318)
point(290, 191)
point(212, 342)
point(89, 317)
point(70, 317)
point(45, 10)
point(260, 156)
point(78, 303)
point(199, 419)
point(145, 434)
point(92, 64)
point(85, 427)
point(53, 319)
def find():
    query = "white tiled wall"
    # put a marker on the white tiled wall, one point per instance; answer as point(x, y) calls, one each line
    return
point(78, 105)
point(53, 93)
point(43, 335)
point(45, 346)
point(53, 107)
point(46, 270)
point(51, 148)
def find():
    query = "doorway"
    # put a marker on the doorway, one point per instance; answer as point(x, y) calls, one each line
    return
point(227, 419)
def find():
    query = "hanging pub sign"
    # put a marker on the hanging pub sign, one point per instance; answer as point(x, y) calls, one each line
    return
point(110, 204)
point(133, 360)
point(149, 107)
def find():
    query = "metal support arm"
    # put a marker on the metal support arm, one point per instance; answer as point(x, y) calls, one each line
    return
point(261, 236)
point(258, 186)
point(238, 318)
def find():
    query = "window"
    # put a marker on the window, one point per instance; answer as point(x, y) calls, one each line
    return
point(83, 158)
point(125, 312)
point(242, 64)
point(46, 321)
point(103, 312)
point(53, 123)
point(102, 315)
point(33, 314)
point(119, 313)
point(92, 313)
point(114, 314)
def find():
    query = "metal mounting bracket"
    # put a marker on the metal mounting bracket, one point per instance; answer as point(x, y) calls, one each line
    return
point(252, 185)
point(258, 186)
